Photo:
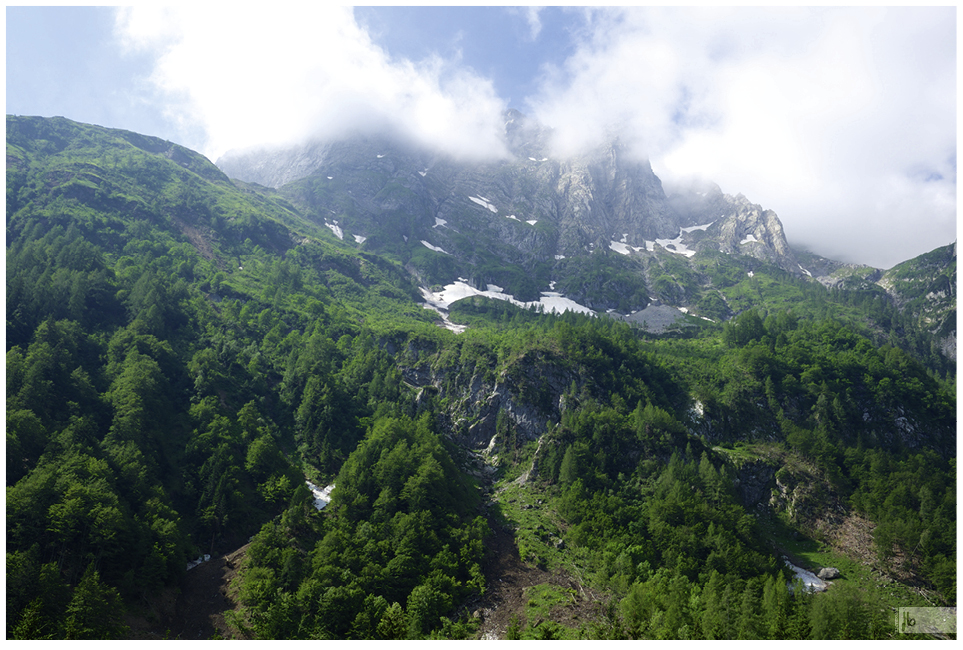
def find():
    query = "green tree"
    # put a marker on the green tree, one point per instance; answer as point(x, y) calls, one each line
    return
point(95, 611)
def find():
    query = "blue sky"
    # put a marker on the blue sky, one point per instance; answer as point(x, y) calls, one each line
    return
point(64, 61)
point(843, 121)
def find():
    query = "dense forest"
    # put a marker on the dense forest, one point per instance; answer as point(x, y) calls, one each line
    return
point(183, 353)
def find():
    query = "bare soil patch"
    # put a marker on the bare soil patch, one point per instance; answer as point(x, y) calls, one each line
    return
point(196, 237)
point(854, 539)
point(205, 596)
point(508, 578)
point(197, 613)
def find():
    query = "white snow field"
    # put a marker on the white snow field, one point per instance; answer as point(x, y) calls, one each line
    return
point(550, 301)
point(809, 579)
point(335, 228)
point(676, 245)
point(482, 201)
point(621, 247)
point(434, 248)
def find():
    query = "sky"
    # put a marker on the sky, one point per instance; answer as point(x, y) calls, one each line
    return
point(841, 120)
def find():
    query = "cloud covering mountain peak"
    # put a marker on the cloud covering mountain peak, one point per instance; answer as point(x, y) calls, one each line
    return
point(841, 119)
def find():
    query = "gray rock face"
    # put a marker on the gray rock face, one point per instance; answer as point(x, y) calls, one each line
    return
point(508, 222)
point(528, 393)
point(755, 481)
point(748, 229)
point(738, 226)
point(274, 167)
point(604, 196)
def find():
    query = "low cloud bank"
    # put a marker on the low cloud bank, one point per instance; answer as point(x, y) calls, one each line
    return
point(842, 120)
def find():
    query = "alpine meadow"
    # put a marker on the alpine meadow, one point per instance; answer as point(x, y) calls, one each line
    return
point(358, 389)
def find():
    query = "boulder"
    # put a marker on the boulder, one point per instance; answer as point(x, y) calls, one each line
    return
point(828, 573)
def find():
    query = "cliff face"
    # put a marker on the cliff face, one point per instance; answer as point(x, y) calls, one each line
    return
point(738, 226)
point(526, 397)
point(510, 222)
point(924, 288)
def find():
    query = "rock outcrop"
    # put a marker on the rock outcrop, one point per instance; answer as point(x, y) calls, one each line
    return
point(828, 573)
point(508, 222)
point(754, 482)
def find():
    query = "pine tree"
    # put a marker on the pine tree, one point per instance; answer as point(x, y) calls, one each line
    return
point(95, 611)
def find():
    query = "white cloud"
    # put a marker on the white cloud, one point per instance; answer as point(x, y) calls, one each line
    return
point(534, 21)
point(834, 118)
point(842, 120)
point(281, 75)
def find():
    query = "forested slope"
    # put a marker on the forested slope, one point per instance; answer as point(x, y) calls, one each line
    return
point(183, 351)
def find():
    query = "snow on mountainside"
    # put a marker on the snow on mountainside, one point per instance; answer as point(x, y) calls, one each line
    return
point(601, 226)
point(520, 223)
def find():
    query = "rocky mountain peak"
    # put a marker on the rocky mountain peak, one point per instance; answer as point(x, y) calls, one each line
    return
point(274, 166)
point(736, 225)
point(512, 223)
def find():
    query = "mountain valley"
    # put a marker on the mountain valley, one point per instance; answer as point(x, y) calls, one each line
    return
point(555, 399)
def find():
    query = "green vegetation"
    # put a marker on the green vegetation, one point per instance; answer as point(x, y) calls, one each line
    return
point(182, 352)
point(603, 280)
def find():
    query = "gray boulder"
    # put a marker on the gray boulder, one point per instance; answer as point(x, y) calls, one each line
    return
point(828, 573)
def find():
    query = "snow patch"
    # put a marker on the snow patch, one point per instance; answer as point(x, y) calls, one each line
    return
point(322, 496)
point(556, 302)
point(532, 222)
point(330, 178)
point(550, 301)
point(424, 173)
point(621, 247)
point(434, 248)
point(749, 239)
point(750, 274)
point(483, 202)
point(359, 238)
point(809, 579)
point(381, 155)
point(439, 222)
point(336, 229)
point(703, 227)
point(804, 270)
point(676, 245)
point(560, 257)
point(512, 216)
point(532, 159)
